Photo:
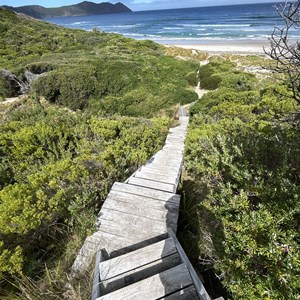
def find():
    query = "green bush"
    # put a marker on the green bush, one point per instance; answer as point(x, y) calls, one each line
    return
point(6, 89)
point(240, 158)
point(224, 94)
point(192, 79)
point(209, 74)
point(239, 81)
point(56, 166)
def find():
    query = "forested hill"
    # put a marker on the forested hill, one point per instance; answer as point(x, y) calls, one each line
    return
point(81, 9)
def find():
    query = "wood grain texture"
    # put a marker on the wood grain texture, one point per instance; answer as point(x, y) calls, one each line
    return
point(162, 215)
point(171, 179)
point(152, 184)
point(146, 192)
point(140, 273)
point(154, 287)
point(136, 259)
point(145, 202)
point(188, 293)
point(144, 230)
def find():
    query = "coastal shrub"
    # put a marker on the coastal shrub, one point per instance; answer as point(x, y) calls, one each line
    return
point(79, 66)
point(224, 94)
point(240, 159)
point(239, 81)
point(192, 79)
point(209, 74)
point(57, 166)
point(4, 87)
point(185, 97)
point(70, 87)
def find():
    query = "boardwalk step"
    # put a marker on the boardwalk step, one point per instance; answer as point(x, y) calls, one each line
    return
point(166, 187)
point(160, 214)
point(159, 171)
point(125, 244)
point(155, 287)
point(143, 202)
point(146, 192)
point(171, 179)
point(131, 226)
point(188, 293)
point(137, 265)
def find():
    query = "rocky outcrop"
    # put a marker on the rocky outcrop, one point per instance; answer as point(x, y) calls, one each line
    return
point(15, 85)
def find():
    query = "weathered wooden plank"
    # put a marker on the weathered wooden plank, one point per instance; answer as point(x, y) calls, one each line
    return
point(200, 289)
point(96, 242)
point(176, 138)
point(166, 162)
point(170, 150)
point(171, 179)
point(165, 166)
point(96, 279)
point(131, 220)
point(162, 215)
point(152, 184)
point(109, 241)
point(125, 227)
point(175, 131)
point(140, 273)
point(113, 228)
point(169, 157)
point(174, 157)
point(141, 240)
point(160, 162)
point(146, 192)
point(133, 260)
point(175, 146)
point(116, 245)
point(144, 202)
point(154, 287)
point(160, 171)
point(188, 293)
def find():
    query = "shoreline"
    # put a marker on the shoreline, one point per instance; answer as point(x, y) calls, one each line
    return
point(222, 47)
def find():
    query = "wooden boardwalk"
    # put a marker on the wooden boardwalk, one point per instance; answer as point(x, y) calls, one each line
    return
point(138, 255)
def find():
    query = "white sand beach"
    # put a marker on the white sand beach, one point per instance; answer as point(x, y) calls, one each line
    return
point(228, 46)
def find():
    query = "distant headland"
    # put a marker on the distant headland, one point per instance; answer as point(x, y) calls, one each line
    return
point(81, 9)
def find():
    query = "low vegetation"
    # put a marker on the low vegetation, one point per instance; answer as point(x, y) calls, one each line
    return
point(241, 188)
point(92, 71)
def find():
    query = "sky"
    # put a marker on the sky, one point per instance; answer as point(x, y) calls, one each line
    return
point(137, 5)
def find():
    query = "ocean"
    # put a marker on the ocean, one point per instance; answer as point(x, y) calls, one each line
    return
point(248, 22)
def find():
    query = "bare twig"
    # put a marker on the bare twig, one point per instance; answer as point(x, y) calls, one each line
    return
point(286, 52)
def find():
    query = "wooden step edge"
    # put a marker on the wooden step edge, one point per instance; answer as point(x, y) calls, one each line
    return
point(154, 287)
point(140, 273)
point(109, 269)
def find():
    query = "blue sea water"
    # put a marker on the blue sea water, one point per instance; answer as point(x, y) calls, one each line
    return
point(191, 25)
